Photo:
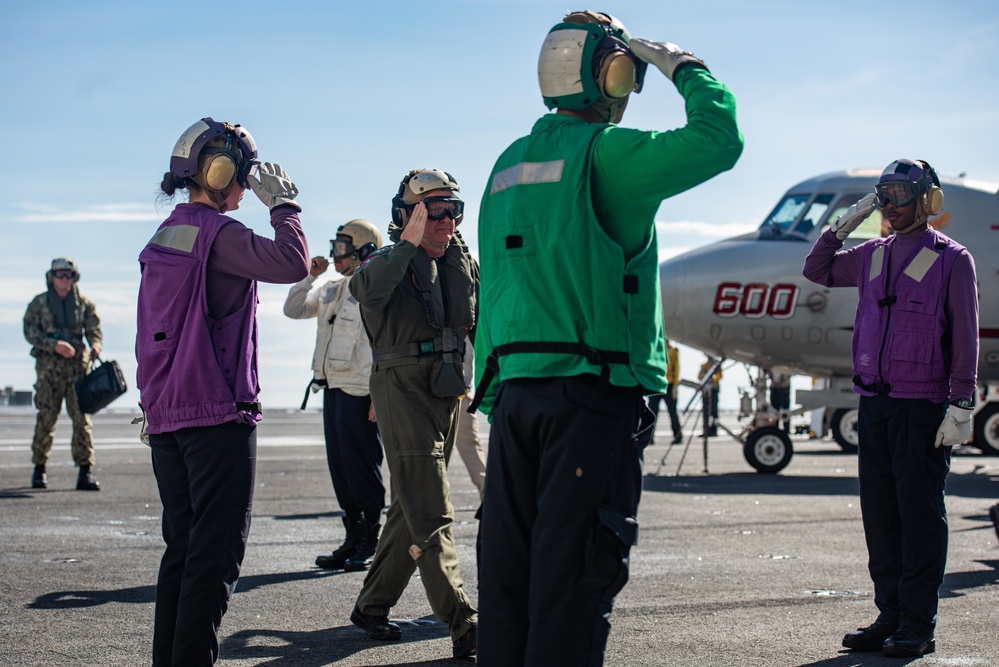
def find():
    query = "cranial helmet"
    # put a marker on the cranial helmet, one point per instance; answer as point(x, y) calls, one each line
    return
point(904, 181)
point(214, 167)
point(357, 238)
point(585, 60)
point(414, 187)
point(63, 264)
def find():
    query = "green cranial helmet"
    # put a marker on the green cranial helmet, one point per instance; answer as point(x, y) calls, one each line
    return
point(586, 59)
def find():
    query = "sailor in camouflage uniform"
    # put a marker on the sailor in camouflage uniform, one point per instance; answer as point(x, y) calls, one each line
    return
point(56, 323)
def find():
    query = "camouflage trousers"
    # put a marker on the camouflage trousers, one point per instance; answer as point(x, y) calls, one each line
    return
point(56, 382)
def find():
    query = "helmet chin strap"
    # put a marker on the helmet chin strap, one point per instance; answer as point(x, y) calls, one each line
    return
point(608, 109)
point(218, 197)
point(919, 220)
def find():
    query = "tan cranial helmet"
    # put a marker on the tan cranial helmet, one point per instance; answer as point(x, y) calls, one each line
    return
point(358, 238)
point(63, 264)
point(414, 187)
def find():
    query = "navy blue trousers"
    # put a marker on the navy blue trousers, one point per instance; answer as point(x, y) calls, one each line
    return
point(902, 502)
point(205, 478)
point(354, 454)
point(559, 518)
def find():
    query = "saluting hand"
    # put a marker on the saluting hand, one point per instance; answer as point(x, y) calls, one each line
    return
point(413, 231)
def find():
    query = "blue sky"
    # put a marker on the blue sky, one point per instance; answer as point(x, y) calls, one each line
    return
point(349, 96)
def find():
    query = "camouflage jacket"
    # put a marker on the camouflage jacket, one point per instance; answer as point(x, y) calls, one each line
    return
point(41, 331)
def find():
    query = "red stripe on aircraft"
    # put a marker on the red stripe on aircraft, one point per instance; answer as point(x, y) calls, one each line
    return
point(988, 333)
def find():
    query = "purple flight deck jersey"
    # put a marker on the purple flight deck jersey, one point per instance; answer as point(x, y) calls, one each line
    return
point(196, 341)
point(917, 320)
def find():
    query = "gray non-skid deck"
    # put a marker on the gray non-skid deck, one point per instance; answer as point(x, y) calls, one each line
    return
point(733, 567)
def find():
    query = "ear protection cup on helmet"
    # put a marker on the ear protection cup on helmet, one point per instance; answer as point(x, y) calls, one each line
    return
point(399, 212)
point(399, 208)
point(933, 198)
point(219, 171)
point(365, 250)
point(616, 78)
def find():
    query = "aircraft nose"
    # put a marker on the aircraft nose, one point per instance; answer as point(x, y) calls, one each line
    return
point(674, 278)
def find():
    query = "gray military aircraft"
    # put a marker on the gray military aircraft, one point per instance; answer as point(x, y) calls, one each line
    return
point(744, 299)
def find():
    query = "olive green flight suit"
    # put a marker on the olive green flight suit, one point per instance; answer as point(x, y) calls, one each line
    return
point(57, 376)
point(417, 312)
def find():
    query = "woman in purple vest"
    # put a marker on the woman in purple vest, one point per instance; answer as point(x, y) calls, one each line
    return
point(915, 355)
point(196, 348)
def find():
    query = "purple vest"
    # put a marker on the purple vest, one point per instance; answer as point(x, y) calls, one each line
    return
point(899, 330)
point(192, 369)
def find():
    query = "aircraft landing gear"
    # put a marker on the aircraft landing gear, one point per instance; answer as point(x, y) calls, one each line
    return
point(768, 449)
point(987, 429)
point(844, 429)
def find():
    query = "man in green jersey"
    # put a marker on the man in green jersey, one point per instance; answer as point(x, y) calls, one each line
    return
point(571, 334)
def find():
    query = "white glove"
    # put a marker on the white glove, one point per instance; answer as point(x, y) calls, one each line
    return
point(664, 55)
point(143, 434)
point(854, 215)
point(273, 187)
point(956, 427)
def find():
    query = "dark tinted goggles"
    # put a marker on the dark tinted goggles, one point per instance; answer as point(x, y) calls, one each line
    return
point(438, 207)
point(899, 193)
point(240, 147)
point(247, 149)
point(341, 247)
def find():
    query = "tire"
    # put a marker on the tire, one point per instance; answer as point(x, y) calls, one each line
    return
point(844, 429)
point(768, 449)
point(987, 430)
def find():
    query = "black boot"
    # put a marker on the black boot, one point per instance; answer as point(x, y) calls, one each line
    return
point(85, 480)
point(39, 480)
point(334, 561)
point(377, 627)
point(366, 543)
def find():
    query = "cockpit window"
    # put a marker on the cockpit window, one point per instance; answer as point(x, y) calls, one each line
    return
point(787, 211)
point(814, 214)
point(871, 228)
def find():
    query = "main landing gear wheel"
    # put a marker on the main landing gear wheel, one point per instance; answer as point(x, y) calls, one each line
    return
point(768, 449)
point(987, 429)
point(844, 429)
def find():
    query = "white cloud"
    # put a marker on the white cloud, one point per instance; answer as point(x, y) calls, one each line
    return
point(31, 213)
point(707, 230)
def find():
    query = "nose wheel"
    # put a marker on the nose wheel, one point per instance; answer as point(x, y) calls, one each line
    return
point(768, 449)
point(987, 430)
point(844, 429)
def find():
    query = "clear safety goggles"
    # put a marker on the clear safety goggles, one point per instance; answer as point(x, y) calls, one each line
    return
point(899, 193)
point(438, 207)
